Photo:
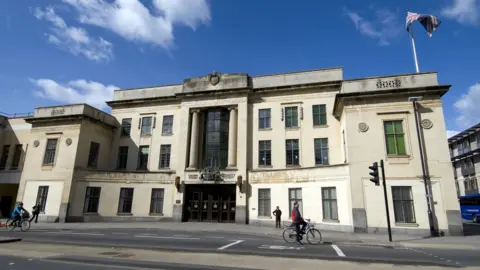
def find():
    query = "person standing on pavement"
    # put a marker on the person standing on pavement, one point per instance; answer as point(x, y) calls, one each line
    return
point(35, 212)
point(278, 217)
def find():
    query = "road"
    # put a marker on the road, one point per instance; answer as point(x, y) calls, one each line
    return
point(234, 243)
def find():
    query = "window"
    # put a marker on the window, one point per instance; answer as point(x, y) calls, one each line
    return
point(403, 205)
point(92, 199)
point(93, 155)
point(264, 153)
point(394, 137)
point(291, 117)
point(264, 205)
point(156, 202)
point(471, 186)
point(143, 157)
point(319, 113)
point(42, 197)
point(4, 158)
point(126, 126)
point(321, 151)
point(17, 154)
point(165, 150)
point(329, 203)
point(125, 201)
point(146, 126)
point(295, 195)
point(216, 138)
point(122, 157)
point(264, 118)
point(167, 125)
point(292, 152)
point(50, 151)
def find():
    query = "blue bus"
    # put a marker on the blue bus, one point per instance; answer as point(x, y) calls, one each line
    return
point(470, 207)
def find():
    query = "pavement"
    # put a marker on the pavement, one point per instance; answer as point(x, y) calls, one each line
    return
point(241, 244)
point(24, 256)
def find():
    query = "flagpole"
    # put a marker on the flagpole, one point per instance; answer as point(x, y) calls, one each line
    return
point(414, 49)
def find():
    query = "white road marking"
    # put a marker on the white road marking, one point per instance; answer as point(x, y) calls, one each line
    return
point(279, 247)
point(181, 235)
point(338, 250)
point(215, 237)
point(98, 234)
point(166, 237)
point(231, 244)
point(11, 263)
point(150, 234)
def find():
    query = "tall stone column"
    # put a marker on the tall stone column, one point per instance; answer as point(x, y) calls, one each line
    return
point(194, 140)
point(232, 138)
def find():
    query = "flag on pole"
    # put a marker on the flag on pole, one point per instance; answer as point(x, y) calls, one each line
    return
point(429, 22)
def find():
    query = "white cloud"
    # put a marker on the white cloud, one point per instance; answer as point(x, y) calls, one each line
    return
point(78, 91)
point(135, 22)
point(73, 39)
point(467, 106)
point(451, 133)
point(383, 28)
point(463, 11)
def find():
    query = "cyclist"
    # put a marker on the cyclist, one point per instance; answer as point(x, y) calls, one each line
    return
point(298, 220)
point(17, 212)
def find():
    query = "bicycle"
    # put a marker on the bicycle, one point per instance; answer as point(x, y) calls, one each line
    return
point(24, 223)
point(290, 233)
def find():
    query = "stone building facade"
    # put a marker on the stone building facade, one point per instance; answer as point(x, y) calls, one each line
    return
point(232, 147)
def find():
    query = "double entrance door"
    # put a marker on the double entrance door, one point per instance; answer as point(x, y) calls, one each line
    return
point(211, 203)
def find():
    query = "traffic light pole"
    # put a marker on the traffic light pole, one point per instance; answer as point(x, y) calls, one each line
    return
point(386, 201)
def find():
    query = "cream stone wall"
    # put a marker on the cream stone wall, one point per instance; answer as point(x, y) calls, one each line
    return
point(54, 198)
point(15, 131)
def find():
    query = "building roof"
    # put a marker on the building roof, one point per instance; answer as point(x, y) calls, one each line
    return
point(469, 131)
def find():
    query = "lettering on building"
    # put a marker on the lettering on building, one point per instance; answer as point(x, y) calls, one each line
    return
point(58, 112)
point(381, 84)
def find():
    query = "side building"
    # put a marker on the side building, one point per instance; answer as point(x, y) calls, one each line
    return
point(232, 147)
point(14, 136)
point(464, 152)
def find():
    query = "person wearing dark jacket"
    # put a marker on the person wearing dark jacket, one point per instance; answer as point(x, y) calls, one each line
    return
point(35, 212)
point(278, 217)
point(298, 220)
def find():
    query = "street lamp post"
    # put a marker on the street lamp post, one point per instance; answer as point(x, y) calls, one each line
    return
point(426, 179)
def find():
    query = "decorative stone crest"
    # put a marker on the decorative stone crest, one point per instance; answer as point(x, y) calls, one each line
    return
point(36, 143)
point(214, 78)
point(68, 141)
point(426, 124)
point(363, 127)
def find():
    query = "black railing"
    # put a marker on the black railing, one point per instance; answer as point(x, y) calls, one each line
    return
point(17, 115)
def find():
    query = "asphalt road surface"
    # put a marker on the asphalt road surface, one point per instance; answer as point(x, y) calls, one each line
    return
point(89, 263)
point(234, 243)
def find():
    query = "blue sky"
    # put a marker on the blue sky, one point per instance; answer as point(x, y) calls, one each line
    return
point(71, 51)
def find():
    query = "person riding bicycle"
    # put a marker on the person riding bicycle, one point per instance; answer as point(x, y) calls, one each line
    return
point(298, 220)
point(17, 212)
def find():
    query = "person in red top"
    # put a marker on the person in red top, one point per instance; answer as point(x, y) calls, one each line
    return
point(298, 220)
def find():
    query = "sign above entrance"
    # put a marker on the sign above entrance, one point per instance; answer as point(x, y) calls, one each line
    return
point(211, 174)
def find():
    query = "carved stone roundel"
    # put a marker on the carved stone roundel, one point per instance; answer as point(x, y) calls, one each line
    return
point(363, 127)
point(427, 124)
point(214, 79)
point(36, 143)
point(68, 141)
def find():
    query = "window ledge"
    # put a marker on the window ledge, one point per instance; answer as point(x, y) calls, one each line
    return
point(322, 165)
point(124, 214)
point(320, 126)
point(165, 169)
point(292, 128)
point(264, 217)
point(265, 166)
point(293, 166)
point(156, 214)
point(146, 136)
point(331, 221)
point(90, 214)
point(398, 156)
point(264, 129)
point(407, 225)
point(167, 134)
point(47, 167)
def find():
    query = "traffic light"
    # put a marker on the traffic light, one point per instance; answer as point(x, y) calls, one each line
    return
point(374, 173)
